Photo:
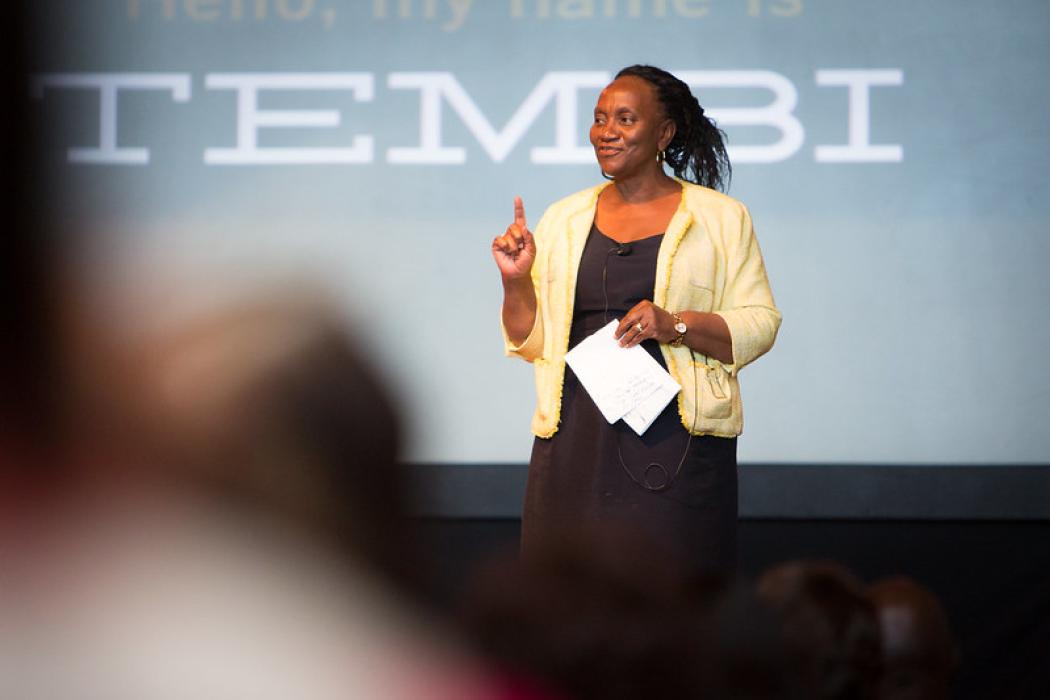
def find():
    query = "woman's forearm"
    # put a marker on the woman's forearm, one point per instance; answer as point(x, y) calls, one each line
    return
point(708, 334)
point(519, 308)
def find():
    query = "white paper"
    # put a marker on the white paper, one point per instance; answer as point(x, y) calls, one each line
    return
point(643, 415)
point(623, 382)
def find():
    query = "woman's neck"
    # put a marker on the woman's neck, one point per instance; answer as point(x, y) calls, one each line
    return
point(645, 187)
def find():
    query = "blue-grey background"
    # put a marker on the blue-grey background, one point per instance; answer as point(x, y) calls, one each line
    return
point(914, 293)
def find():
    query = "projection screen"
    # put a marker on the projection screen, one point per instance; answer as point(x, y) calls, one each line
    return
point(892, 155)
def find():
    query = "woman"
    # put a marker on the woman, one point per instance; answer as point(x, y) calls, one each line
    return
point(678, 264)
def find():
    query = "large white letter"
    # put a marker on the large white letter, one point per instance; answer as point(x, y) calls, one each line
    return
point(859, 148)
point(250, 118)
point(430, 150)
point(433, 87)
point(566, 118)
point(777, 114)
point(108, 84)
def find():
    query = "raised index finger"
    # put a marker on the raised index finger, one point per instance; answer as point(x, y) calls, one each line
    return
point(519, 213)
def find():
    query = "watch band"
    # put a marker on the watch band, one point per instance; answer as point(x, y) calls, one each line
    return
point(680, 328)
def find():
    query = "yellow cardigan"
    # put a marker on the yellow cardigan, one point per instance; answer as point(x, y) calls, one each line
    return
point(709, 260)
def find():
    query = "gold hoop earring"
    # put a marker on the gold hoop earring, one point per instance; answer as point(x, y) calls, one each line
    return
point(659, 156)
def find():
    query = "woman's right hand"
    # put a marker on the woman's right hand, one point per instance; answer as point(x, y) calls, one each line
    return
point(515, 250)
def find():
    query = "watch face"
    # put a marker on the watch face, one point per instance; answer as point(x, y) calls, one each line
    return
point(680, 327)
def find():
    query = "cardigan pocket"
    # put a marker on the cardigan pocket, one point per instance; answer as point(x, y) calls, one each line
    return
point(716, 391)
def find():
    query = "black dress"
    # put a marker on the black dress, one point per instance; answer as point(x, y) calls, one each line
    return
point(577, 476)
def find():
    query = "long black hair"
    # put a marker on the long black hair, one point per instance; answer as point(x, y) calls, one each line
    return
point(697, 152)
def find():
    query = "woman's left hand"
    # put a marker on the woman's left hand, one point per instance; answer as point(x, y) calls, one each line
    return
point(645, 321)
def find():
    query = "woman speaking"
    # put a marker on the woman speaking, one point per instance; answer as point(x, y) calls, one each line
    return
point(678, 264)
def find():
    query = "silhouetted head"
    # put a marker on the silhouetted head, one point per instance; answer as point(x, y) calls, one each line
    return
point(919, 654)
point(604, 615)
point(829, 627)
point(268, 406)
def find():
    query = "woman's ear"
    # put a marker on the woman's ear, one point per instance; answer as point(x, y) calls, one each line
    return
point(667, 132)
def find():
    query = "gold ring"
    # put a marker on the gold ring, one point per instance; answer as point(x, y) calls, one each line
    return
point(639, 326)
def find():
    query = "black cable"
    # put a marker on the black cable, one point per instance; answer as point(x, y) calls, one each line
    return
point(668, 479)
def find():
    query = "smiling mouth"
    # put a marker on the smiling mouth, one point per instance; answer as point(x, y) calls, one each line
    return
point(608, 151)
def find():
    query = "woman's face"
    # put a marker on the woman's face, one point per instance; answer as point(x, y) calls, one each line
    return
point(629, 128)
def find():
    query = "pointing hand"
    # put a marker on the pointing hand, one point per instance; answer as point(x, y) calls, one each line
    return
point(515, 250)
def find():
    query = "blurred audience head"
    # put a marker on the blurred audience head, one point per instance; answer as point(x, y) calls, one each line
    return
point(236, 532)
point(266, 405)
point(743, 653)
point(828, 626)
point(602, 615)
point(919, 654)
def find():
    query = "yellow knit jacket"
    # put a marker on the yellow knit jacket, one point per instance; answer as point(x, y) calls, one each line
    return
point(709, 260)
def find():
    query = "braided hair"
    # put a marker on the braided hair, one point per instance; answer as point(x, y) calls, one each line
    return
point(697, 152)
